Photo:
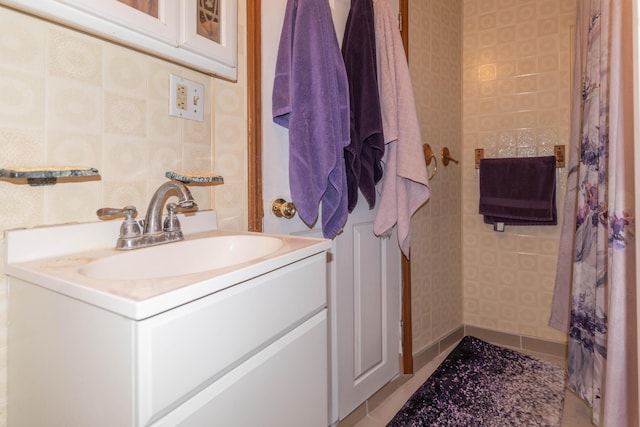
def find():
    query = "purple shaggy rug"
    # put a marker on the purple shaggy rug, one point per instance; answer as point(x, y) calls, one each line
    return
point(481, 384)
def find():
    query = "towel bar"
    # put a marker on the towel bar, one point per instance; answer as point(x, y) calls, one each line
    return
point(558, 151)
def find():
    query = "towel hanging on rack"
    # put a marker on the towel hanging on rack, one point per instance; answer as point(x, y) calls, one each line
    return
point(405, 184)
point(311, 98)
point(518, 191)
point(364, 154)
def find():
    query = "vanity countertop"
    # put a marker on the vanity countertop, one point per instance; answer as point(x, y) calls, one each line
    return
point(31, 256)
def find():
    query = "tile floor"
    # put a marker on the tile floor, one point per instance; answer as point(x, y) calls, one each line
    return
point(575, 414)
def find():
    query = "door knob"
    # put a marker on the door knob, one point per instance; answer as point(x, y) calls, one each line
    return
point(282, 208)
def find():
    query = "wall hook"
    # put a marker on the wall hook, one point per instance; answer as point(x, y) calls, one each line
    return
point(446, 157)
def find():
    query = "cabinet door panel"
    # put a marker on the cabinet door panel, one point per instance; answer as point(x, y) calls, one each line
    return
point(70, 364)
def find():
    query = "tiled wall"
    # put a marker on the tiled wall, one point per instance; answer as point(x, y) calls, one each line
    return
point(516, 83)
point(72, 99)
point(436, 251)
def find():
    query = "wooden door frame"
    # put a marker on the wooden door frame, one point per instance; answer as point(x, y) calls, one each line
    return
point(254, 154)
point(407, 334)
point(254, 115)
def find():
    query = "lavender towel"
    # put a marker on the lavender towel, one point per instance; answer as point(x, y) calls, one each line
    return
point(365, 152)
point(518, 191)
point(405, 184)
point(311, 98)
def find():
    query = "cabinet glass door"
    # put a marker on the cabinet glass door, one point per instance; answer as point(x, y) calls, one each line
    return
point(157, 19)
point(150, 7)
point(209, 28)
point(208, 20)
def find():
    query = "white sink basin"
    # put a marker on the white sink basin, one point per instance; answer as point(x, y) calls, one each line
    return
point(80, 261)
point(181, 258)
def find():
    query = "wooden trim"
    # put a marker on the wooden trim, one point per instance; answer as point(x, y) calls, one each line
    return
point(254, 115)
point(407, 332)
point(404, 25)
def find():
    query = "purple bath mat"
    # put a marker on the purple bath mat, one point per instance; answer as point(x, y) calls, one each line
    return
point(481, 385)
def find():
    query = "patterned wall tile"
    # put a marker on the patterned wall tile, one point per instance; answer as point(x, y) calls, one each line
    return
point(161, 127)
point(21, 207)
point(526, 116)
point(73, 105)
point(164, 156)
point(20, 146)
point(125, 115)
point(435, 48)
point(22, 46)
point(74, 56)
point(79, 100)
point(71, 203)
point(69, 148)
point(26, 93)
point(125, 72)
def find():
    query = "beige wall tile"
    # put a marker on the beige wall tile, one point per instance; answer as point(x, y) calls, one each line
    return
point(435, 63)
point(74, 56)
point(25, 93)
point(79, 100)
point(532, 108)
point(73, 106)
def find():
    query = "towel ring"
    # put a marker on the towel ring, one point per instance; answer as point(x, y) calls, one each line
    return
point(428, 156)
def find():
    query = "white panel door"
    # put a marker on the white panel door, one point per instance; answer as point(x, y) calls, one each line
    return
point(364, 270)
point(366, 303)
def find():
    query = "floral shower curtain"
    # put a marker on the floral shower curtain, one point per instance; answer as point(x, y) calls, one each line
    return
point(594, 299)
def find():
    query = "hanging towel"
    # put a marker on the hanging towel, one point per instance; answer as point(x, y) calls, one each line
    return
point(364, 153)
point(518, 191)
point(311, 98)
point(405, 183)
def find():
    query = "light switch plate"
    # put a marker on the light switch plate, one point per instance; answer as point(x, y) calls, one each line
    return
point(186, 98)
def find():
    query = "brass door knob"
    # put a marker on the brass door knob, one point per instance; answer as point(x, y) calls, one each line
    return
point(283, 209)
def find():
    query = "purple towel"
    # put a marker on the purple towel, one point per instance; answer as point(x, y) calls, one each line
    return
point(518, 191)
point(364, 154)
point(311, 99)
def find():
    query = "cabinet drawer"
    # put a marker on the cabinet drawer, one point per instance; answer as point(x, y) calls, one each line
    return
point(186, 349)
point(292, 372)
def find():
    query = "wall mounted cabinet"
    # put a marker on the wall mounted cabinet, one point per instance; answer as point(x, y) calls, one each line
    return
point(196, 34)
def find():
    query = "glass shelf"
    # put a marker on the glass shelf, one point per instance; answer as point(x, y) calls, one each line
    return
point(37, 176)
point(196, 177)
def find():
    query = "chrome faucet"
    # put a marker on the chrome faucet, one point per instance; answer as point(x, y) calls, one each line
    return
point(154, 232)
point(153, 219)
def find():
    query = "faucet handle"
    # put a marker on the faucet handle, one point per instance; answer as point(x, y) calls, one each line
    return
point(171, 222)
point(130, 227)
point(128, 211)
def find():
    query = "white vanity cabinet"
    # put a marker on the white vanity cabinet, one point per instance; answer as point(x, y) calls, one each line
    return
point(252, 354)
point(196, 34)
